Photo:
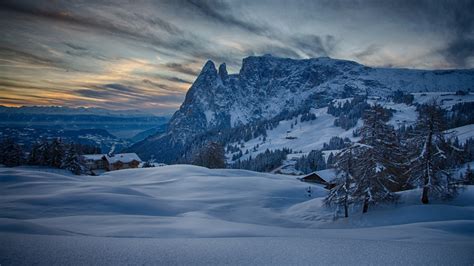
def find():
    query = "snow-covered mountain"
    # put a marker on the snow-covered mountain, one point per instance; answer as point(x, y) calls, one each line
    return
point(269, 87)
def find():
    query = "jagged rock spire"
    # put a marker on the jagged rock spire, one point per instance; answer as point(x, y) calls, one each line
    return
point(223, 71)
point(209, 67)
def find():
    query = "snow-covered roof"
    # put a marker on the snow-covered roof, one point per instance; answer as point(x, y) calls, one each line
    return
point(93, 157)
point(314, 177)
point(327, 174)
point(123, 157)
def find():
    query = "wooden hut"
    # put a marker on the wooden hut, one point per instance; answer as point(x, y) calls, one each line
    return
point(121, 161)
point(314, 178)
point(111, 162)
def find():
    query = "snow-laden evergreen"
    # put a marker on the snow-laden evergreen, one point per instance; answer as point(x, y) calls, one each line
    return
point(429, 148)
point(341, 193)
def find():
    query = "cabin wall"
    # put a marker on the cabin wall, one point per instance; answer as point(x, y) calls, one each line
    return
point(104, 164)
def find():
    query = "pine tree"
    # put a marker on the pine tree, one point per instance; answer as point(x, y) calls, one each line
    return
point(35, 154)
point(73, 161)
point(429, 148)
point(374, 166)
point(12, 154)
point(314, 161)
point(57, 153)
point(468, 176)
point(150, 163)
point(330, 160)
point(45, 157)
point(212, 155)
point(341, 193)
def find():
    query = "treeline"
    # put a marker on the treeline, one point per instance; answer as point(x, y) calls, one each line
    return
point(11, 153)
point(461, 114)
point(384, 161)
point(263, 162)
point(401, 97)
point(53, 153)
point(349, 112)
point(316, 159)
point(210, 155)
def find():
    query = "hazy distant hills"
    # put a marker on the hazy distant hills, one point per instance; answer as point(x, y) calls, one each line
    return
point(92, 126)
point(122, 124)
point(60, 110)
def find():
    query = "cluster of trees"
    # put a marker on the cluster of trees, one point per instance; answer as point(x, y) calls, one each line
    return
point(336, 143)
point(210, 155)
point(314, 161)
point(237, 155)
point(263, 162)
point(468, 148)
point(468, 177)
point(307, 117)
point(53, 153)
point(461, 114)
point(150, 163)
point(384, 162)
point(349, 112)
point(11, 153)
point(401, 97)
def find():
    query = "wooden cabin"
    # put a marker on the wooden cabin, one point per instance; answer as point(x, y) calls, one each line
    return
point(94, 161)
point(122, 161)
point(317, 179)
point(111, 162)
point(314, 178)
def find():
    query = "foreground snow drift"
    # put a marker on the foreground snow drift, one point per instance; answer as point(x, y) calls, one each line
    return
point(186, 215)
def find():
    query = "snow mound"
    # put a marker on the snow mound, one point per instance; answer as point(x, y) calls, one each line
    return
point(214, 217)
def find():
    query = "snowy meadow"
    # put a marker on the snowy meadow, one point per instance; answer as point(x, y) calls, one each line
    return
point(184, 214)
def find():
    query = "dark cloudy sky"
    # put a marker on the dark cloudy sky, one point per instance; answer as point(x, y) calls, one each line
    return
point(145, 54)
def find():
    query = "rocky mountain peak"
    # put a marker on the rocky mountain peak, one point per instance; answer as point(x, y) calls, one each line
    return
point(223, 71)
point(209, 67)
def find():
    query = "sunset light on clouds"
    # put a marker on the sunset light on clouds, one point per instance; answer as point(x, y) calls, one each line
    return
point(146, 54)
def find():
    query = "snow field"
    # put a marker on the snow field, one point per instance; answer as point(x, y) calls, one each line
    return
point(185, 214)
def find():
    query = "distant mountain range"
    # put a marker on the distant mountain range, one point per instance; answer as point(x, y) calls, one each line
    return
point(26, 137)
point(122, 124)
point(269, 88)
point(61, 110)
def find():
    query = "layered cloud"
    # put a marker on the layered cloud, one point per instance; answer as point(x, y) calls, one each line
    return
point(145, 54)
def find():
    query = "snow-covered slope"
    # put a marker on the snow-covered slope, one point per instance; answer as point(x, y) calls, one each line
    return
point(312, 135)
point(304, 136)
point(462, 133)
point(191, 215)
